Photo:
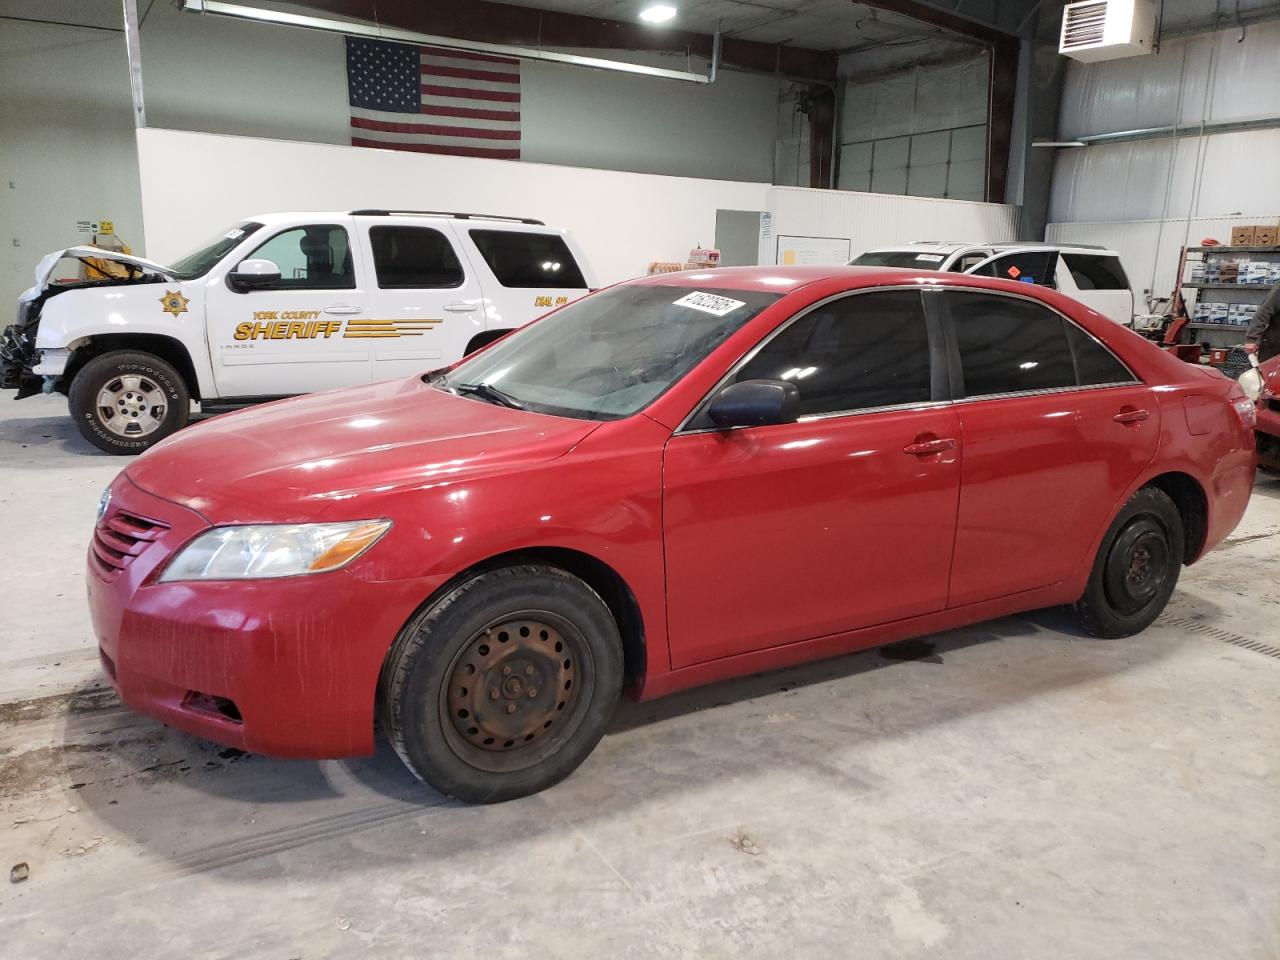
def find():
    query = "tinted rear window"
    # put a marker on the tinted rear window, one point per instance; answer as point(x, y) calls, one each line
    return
point(1095, 363)
point(1094, 272)
point(521, 259)
point(911, 259)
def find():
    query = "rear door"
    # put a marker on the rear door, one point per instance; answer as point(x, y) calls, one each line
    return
point(1055, 428)
point(1099, 282)
point(426, 301)
point(291, 337)
point(532, 272)
point(843, 519)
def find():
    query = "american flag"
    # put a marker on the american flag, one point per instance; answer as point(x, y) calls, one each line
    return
point(406, 97)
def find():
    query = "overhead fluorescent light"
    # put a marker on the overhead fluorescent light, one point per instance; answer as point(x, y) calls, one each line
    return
point(1059, 143)
point(657, 13)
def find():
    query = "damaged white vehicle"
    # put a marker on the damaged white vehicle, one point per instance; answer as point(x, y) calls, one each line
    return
point(278, 305)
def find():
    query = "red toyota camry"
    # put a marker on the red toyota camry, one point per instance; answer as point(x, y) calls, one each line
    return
point(670, 482)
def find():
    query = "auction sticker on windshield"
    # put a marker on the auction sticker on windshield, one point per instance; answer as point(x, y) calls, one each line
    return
point(709, 303)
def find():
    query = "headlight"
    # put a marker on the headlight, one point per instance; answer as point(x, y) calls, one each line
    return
point(267, 551)
point(1251, 383)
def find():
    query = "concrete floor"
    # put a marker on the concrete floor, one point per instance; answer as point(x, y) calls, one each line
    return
point(1033, 794)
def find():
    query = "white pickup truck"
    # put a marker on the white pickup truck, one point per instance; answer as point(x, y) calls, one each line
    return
point(277, 305)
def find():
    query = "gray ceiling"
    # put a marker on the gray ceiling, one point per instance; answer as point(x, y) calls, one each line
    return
point(815, 24)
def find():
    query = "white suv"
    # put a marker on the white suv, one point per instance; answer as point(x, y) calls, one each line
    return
point(1092, 275)
point(277, 305)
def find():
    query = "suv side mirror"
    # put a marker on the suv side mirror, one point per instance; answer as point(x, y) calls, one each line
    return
point(755, 403)
point(251, 274)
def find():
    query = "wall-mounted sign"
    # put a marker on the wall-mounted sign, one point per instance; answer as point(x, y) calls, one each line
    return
point(812, 251)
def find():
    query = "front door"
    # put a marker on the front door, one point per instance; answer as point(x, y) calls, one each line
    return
point(297, 335)
point(427, 304)
point(1055, 429)
point(843, 519)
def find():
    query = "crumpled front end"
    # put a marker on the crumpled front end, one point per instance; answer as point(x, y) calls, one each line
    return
point(18, 351)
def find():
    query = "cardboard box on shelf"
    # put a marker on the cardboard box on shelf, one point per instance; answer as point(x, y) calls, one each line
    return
point(1265, 236)
point(1255, 272)
point(1242, 236)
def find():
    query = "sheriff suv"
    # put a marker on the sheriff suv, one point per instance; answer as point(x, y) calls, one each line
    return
point(1091, 275)
point(278, 305)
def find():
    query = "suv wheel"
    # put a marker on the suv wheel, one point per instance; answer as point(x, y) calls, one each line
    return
point(126, 401)
point(503, 686)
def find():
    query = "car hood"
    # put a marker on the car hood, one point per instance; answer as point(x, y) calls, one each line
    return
point(337, 454)
point(44, 269)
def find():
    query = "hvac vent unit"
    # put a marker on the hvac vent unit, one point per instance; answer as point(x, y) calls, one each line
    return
point(1095, 30)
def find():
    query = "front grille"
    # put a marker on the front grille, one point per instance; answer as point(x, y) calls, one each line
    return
point(120, 539)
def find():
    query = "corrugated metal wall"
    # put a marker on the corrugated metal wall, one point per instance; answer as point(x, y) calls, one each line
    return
point(1211, 78)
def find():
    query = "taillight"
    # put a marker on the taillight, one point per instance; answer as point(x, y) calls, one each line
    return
point(1246, 410)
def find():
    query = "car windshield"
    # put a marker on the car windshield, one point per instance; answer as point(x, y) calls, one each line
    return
point(914, 259)
point(201, 260)
point(609, 354)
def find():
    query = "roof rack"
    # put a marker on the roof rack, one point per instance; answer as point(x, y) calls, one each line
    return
point(1044, 243)
point(446, 213)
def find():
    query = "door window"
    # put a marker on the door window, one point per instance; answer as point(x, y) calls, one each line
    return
point(520, 259)
point(1095, 272)
point(1008, 345)
point(414, 257)
point(865, 350)
point(968, 261)
point(314, 257)
point(1028, 266)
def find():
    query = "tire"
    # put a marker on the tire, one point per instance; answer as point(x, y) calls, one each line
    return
point(1136, 568)
point(504, 685)
point(151, 401)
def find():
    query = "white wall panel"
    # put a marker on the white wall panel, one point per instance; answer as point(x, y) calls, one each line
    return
point(623, 220)
point(871, 220)
point(1149, 248)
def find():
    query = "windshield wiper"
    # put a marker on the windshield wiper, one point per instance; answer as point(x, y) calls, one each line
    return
point(489, 393)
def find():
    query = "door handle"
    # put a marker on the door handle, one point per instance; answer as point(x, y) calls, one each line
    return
point(1130, 415)
point(343, 309)
point(923, 448)
point(461, 306)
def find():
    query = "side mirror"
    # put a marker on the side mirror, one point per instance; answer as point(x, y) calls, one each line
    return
point(252, 274)
point(755, 403)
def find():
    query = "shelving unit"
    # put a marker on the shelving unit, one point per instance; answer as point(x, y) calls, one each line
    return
point(1217, 336)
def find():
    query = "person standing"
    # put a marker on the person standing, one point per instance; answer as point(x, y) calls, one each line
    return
point(1263, 335)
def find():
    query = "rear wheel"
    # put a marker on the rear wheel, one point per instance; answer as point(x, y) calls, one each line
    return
point(503, 686)
point(127, 401)
point(1136, 568)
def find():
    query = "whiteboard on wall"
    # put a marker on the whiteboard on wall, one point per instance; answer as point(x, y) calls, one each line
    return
point(812, 251)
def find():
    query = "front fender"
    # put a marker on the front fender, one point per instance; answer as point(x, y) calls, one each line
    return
point(73, 318)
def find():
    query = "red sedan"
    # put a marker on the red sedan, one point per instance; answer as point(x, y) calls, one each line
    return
point(667, 483)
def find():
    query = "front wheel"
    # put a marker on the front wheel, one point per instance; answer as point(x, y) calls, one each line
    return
point(1136, 568)
point(503, 686)
point(126, 401)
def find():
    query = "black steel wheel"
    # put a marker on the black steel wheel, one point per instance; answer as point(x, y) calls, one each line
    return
point(1136, 568)
point(502, 686)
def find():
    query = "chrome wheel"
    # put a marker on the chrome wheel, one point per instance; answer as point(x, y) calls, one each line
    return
point(513, 689)
point(132, 406)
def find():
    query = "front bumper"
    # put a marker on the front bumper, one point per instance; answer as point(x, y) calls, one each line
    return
point(280, 667)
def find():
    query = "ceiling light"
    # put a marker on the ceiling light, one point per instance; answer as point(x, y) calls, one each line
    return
point(658, 13)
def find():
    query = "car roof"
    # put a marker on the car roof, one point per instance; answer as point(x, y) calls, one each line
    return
point(781, 280)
